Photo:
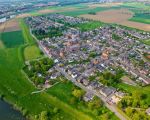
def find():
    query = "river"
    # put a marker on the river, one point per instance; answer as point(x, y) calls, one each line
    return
point(8, 113)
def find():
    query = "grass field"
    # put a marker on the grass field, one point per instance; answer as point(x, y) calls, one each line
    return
point(83, 11)
point(90, 25)
point(139, 10)
point(143, 18)
point(12, 39)
point(31, 50)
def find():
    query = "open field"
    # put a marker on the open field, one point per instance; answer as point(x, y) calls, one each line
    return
point(11, 25)
point(90, 25)
point(32, 52)
point(23, 15)
point(120, 17)
point(104, 5)
point(12, 39)
point(45, 11)
point(141, 11)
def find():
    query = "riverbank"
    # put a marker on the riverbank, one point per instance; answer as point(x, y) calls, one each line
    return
point(8, 112)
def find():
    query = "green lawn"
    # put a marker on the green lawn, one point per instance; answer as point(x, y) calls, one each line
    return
point(141, 20)
point(12, 39)
point(32, 52)
point(89, 25)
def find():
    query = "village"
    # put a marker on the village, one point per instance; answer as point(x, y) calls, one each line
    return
point(82, 57)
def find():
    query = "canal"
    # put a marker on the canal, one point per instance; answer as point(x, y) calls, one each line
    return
point(8, 113)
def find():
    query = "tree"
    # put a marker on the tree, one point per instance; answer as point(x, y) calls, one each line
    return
point(137, 95)
point(105, 117)
point(95, 103)
point(135, 103)
point(44, 115)
point(129, 111)
point(77, 93)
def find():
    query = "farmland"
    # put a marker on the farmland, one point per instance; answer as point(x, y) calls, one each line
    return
point(119, 16)
point(12, 39)
point(11, 25)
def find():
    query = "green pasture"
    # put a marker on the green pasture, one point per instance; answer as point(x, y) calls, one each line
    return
point(12, 39)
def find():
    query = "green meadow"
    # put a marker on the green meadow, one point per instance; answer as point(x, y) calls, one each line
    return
point(140, 10)
point(90, 25)
point(12, 39)
point(31, 50)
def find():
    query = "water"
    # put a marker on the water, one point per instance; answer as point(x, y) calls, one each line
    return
point(8, 113)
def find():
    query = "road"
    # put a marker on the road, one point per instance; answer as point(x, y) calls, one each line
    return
point(111, 107)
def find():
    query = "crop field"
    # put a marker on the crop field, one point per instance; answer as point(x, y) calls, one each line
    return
point(141, 12)
point(84, 11)
point(12, 39)
point(141, 17)
point(11, 25)
point(23, 15)
point(119, 16)
point(105, 5)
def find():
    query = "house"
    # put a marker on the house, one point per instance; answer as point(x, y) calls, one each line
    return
point(115, 99)
point(148, 111)
point(88, 97)
point(106, 91)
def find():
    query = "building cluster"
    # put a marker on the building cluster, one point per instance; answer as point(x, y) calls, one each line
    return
point(45, 23)
point(79, 55)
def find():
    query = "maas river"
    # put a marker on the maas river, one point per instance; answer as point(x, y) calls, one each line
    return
point(8, 113)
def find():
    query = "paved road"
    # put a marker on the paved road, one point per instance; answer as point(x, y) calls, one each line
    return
point(111, 107)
